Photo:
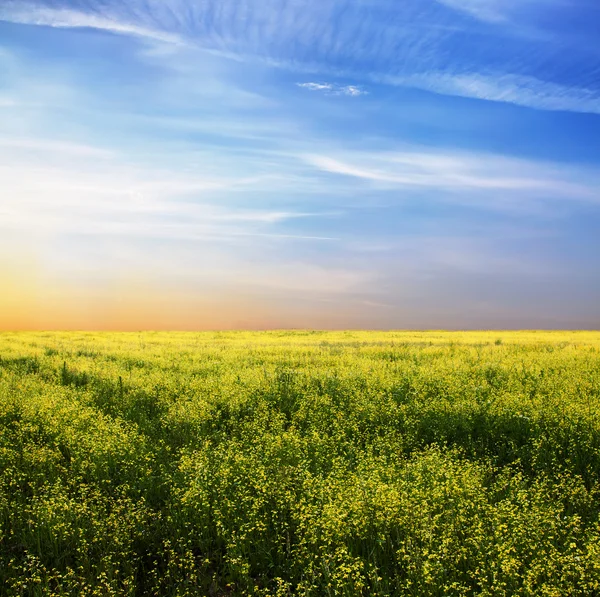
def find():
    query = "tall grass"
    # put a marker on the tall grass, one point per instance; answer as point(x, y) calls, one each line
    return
point(301, 463)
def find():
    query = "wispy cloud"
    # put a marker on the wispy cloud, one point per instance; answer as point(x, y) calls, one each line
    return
point(507, 12)
point(343, 38)
point(8, 102)
point(82, 189)
point(44, 146)
point(519, 90)
point(37, 14)
point(333, 89)
point(494, 11)
point(491, 181)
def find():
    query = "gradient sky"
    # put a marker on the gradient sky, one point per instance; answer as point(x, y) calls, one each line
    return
point(191, 164)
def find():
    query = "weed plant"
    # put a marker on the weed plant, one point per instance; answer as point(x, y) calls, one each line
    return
point(300, 463)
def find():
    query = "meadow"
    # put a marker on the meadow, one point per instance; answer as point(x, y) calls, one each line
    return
point(300, 463)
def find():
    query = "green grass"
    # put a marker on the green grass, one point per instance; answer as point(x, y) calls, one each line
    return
point(300, 463)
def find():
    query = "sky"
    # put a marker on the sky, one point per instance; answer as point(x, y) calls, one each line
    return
point(218, 164)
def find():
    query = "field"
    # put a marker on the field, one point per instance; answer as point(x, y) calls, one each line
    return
point(300, 463)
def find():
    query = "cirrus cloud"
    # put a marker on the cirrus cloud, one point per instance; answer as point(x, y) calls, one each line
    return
point(333, 89)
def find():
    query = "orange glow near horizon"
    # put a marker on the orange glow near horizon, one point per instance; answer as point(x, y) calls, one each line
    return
point(29, 303)
point(34, 308)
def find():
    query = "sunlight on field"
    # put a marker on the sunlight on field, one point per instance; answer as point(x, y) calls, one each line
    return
point(300, 463)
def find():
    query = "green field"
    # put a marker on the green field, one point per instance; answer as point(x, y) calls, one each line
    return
point(300, 463)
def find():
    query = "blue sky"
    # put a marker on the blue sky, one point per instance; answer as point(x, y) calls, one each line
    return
point(300, 163)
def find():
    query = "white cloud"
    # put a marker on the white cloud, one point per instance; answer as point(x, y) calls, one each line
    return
point(316, 86)
point(514, 89)
point(402, 48)
point(27, 13)
point(486, 180)
point(332, 89)
point(353, 90)
point(59, 187)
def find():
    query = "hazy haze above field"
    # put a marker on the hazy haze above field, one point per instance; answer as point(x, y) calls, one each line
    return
point(199, 164)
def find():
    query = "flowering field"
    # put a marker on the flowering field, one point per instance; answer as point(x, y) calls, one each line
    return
point(300, 463)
